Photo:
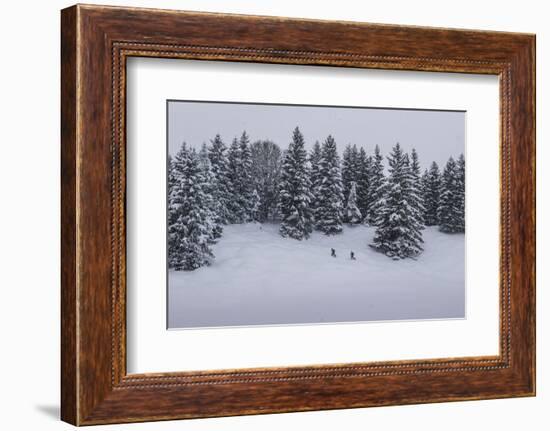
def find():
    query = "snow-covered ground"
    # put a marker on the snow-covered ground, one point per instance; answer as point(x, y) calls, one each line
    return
point(260, 278)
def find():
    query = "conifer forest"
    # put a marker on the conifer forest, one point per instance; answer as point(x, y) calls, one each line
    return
point(305, 215)
point(321, 190)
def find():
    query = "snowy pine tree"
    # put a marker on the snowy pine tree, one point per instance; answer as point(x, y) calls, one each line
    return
point(245, 187)
point(354, 164)
point(346, 168)
point(450, 201)
point(416, 197)
point(266, 169)
point(240, 179)
point(220, 169)
point(210, 187)
point(294, 191)
point(255, 206)
point(352, 212)
point(431, 191)
point(424, 190)
point(190, 230)
point(377, 188)
point(172, 209)
point(330, 209)
point(399, 232)
point(315, 176)
point(170, 175)
point(236, 212)
point(461, 167)
point(173, 205)
point(350, 168)
point(363, 182)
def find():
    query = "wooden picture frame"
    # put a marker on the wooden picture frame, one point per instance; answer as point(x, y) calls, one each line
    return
point(95, 43)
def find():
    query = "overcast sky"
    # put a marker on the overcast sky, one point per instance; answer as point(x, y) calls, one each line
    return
point(436, 135)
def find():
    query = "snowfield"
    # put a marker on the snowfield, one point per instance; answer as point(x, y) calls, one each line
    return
point(260, 278)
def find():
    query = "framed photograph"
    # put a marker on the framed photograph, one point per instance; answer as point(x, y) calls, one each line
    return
point(265, 214)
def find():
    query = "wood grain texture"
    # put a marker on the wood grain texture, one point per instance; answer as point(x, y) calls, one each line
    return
point(69, 397)
point(96, 41)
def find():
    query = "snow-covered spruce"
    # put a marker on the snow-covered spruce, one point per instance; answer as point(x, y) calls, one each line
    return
point(416, 197)
point(450, 213)
point(190, 227)
point(173, 239)
point(213, 206)
point(171, 177)
point(363, 182)
point(352, 212)
point(330, 206)
point(346, 169)
point(315, 176)
point(266, 169)
point(399, 230)
point(255, 206)
point(461, 167)
point(431, 185)
point(222, 192)
point(245, 184)
point(233, 167)
point(425, 190)
point(240, 190)
point(240, 179)
point(294, 191)
point(377, 188)
point(350, 168)
point(171, 208)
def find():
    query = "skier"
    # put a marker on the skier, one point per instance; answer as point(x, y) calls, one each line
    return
point(352, 255)
point(333, 252)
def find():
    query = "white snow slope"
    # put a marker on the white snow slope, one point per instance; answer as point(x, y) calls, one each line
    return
point(260, 278)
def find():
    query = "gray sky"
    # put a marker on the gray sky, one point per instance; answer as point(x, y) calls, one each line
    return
point(436, 135)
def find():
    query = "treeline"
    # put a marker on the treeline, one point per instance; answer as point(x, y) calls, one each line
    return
point(219, 185)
